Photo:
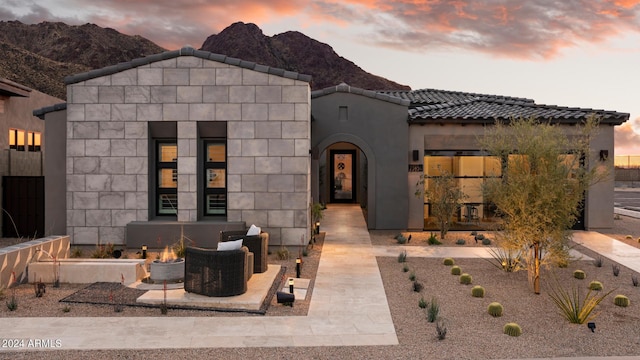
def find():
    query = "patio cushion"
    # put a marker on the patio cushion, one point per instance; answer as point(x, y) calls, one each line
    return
point(230, 245)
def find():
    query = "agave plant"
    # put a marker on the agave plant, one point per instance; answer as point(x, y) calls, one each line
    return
point(572, 306)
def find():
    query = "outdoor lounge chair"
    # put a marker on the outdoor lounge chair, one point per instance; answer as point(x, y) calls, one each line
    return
point(257, 244)
point(216, 273)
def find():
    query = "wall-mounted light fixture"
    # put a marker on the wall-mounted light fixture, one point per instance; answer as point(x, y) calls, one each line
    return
point(604, 155)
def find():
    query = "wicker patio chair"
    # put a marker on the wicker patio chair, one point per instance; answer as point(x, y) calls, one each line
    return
point(257, 244)
point(216, 273)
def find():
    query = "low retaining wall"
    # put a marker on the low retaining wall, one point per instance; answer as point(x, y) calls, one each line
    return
point(15, 258)
point(86, 271)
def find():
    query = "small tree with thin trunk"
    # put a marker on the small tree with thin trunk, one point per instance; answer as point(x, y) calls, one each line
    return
point(444, 197)
point(542, 186)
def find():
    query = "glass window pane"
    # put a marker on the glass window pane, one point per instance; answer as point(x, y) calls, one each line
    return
point(20, 140)
point(30, 137)
point(492, 166)
point(216, 204)
point(215, 178)
point(12, 138)
point(168, 152)
point(168, 204)
point(168, 178)
point(36, 140)
point(216, 153)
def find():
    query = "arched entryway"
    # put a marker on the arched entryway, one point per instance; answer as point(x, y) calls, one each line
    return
point(343, 171)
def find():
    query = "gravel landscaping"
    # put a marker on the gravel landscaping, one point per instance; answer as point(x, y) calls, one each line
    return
point(471, 332)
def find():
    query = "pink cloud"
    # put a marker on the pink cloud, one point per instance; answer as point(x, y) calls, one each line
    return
point(627, 138)
point(516, 28)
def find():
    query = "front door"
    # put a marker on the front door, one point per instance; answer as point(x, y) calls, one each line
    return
point(343, 176)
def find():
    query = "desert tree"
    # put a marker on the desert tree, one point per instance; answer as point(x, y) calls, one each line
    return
point(539, 195)
point(443, 195)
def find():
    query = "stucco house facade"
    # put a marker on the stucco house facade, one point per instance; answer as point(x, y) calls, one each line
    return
point(22, 158)
point(194, 142)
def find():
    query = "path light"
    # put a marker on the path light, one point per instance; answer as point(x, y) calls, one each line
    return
point(291, 285)
point(317, 227)
point(298, 266)
point(592, 326)
point(144, 251)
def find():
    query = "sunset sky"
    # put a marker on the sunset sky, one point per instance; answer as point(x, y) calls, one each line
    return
point(576, 53)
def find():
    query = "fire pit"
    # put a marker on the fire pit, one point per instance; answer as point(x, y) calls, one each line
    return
point(168, 268)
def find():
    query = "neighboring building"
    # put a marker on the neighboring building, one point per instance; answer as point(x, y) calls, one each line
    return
point(198, 141)
point(21, 159)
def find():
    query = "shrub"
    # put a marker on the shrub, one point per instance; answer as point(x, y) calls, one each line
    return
point(595, 285)
point(283, 253)
point(479, 237)
point(12, 304)
point(621, 300)
point(433, 240)
point(405, 267)
point(417, 286)
point(66, 309)
point(401, 239)
point(441, 329)
point(477, 291)
point(433, 309)
point(634, 280)
point(512, 329)
point(103, 251)
point(616, 269)
point(448, 261)
point(572, 306)
point(402, 257)
point(474, 233)
point(412, 276)
point(455, 270)
point(506, 259)
point(422, 303)
point(597, 262)
point(460, 242)
point(465, 279)
point(76, 252)
point(486, 241)
point(495, 309)
point(579, 274)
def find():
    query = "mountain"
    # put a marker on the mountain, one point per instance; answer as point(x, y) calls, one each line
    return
point(294, 51)
point(41, 55)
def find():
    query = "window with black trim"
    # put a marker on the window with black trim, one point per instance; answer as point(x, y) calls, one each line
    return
point(16, 139)
point(215, 173)
point(34, 141)
point(166, 177)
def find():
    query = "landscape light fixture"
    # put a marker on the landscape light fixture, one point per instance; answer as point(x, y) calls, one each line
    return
point(317, 227)
point(291, 285)
point(592, 326)
point(298, 267)
point(144, 251)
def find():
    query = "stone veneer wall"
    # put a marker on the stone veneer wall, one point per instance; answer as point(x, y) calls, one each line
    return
point(268, 141)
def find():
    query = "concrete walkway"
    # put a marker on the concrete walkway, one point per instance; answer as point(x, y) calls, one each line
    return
point(348, 307)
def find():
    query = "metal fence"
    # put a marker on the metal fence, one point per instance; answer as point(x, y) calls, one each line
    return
point(627, 161)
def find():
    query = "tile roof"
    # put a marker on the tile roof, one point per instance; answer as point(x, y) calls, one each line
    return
point(10, 88)
point(48, 109)
point(441, 106)
point(185, 51)
point(344, 88)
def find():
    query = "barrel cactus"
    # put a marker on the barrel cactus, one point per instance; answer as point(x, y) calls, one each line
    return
point(621, 300)
point(477, 291)
point(465, 279)
point(495, 309)
point(512, 329)
point(595, 285)
point(579, 274)
point(448, 261)
point(456, 270)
